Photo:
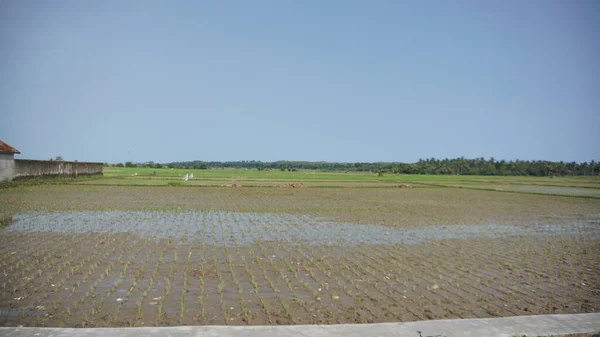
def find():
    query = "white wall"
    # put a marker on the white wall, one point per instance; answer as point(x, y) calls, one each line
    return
point(7, 166)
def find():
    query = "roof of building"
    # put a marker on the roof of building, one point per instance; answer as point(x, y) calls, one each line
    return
point(5, 148)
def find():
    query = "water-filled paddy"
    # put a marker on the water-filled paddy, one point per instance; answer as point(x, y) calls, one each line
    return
point(245, 228)
point(144, 256)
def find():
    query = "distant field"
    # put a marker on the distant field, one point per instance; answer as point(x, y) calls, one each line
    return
point(568, 186)
point(238, 174)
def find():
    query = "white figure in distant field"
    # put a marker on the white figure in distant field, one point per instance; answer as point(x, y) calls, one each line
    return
point(185, 177)
point(191, 175)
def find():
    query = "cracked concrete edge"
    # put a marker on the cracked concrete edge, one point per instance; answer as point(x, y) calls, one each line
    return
point(538, 325)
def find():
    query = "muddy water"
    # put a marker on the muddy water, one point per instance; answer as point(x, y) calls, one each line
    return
point(223, 228)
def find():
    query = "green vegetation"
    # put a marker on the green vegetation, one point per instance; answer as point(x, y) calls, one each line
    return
point(579, 186)
point(253, 174)
point(37, 181)
point(457, 166)
point(567, 186)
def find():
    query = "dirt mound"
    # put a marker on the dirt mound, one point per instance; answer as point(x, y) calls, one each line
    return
point(235, 185)
point(292, 185)
point(405, 186)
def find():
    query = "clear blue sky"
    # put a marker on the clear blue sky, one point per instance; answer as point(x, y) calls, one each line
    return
point(300, 80)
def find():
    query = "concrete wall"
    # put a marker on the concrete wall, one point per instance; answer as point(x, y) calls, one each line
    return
point(7, 166)
point(38, 168)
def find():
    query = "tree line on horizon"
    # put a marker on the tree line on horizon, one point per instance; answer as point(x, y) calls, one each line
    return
point(456, 166)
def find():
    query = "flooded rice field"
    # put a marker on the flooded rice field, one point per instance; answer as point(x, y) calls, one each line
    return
point(101, 256)
point(222, 228)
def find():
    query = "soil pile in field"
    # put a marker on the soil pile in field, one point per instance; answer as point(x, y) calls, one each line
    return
point(292, 185)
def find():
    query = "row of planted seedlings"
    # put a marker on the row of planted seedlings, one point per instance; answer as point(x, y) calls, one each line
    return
point(199, 273)
point(548, 284)
point(46, 247)
point(193, 281)
point(22, 267)
point(259, 274)
point(217, 309)
point(34, 292)
point(331, 297)
point(90, 303)
point(190, 283)
point(27, 287)
point(247, 291)
point(227, 240)
point(362, 282)
point(532, 270)
point(421, 294)
point(342, 294)
point(164, 303)
point(398, 287)
point(496, 278)
point(203, 284)
point(426, 291)
point(135, 284)
point(141, 289)
point(266, 285)
point(103, 286)
point(426, 286)
point(485, 278)
point(320, 300)
point(434, 298)
point(480, 277)
point(359, 282)
point(324, 287)
point(137, 280)
point(192, 292)
point(234, 285)
point(98, 293)
point(439, 292)
point(234, 259)
point(574, 261)
point(266, 294)
point(543, 274)
point(284, 300)
point(528, 277)
point(21, 253)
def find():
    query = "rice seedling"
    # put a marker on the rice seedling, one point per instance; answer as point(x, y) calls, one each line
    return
point(159, 313)
point(181, 306)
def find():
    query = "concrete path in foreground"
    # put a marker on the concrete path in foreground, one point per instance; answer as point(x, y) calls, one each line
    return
point(540, 325)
